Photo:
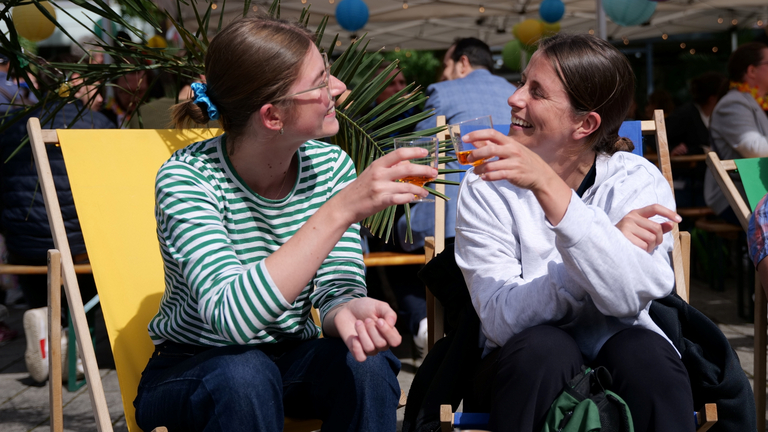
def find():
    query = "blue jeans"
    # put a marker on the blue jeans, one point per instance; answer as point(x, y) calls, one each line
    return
point(247, 388)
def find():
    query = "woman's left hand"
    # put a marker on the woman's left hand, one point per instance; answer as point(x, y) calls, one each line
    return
point(367, 327)
point(516, 164)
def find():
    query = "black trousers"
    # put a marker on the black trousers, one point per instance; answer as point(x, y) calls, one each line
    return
point(518, 382)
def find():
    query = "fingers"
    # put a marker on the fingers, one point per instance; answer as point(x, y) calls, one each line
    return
point(660, 210)
point(354, 346)
point(402, 154)
point(402, 170)
point(491, 135)
point(376, 335)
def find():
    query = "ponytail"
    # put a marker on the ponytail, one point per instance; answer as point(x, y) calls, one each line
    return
point(188, 113)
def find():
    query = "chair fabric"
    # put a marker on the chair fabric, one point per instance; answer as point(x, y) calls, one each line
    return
point(632, 129)
point(755, 170)
point(112, 175)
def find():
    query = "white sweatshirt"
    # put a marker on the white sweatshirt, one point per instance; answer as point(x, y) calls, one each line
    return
point(583, 275)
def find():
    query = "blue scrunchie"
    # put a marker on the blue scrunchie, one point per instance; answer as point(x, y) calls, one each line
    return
point(201, 98)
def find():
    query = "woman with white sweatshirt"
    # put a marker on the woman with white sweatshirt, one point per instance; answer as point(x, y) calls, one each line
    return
point(563, 243)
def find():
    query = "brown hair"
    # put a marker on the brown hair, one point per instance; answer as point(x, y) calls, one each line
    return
point(597, 78)
point(252, 62)
point(749, 54)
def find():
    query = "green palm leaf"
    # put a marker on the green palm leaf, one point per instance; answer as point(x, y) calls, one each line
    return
point(366, 131)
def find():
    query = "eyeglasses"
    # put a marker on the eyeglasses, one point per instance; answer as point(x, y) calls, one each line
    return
point(326, 83)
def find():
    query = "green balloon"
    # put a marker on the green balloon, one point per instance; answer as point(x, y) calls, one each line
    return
point(510, 54)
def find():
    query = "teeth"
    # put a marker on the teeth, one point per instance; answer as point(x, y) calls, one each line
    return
point(331, 111)
point(520, 122)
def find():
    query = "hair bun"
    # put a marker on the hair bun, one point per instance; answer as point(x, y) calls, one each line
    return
point(623, 144)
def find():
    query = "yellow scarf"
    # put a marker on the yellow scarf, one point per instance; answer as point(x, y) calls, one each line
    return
point(745, 88)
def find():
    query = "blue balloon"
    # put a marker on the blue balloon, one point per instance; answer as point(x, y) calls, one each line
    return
point(629, 12)
point(352, 14)
point(551, 11)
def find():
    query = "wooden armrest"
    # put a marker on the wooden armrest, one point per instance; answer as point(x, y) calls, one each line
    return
point(28, 269)
point(377, 259)
point(706, 417)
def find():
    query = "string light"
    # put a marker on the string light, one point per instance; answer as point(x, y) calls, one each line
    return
point(734, 21)
point(405, 4)
point(682, 45)
point(719, 20)
point(255, 8)
point(482, 9)
point(338, 43)
point(214, 6)
point(626, 41)
point(693, 51)
point(397, 49)
point(714, 49)
point(331, 1)
point(407, 53)
point(664, 36)
point(759, 23)
point(591, 31)
point(303, 1)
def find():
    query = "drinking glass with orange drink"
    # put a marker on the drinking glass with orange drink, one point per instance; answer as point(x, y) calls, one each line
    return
point(458, 130)
point(431, 144)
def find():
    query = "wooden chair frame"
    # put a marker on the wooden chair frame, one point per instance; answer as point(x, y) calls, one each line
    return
point(722, 170)
point(680, 263)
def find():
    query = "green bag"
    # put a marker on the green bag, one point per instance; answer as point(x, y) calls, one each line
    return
point(586, 406)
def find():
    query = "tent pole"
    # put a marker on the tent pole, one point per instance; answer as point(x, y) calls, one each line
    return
point(601, 27)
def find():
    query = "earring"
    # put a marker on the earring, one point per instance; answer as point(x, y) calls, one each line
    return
point(281, 131)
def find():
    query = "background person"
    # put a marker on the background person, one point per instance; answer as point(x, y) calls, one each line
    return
point(24, 218)
point(256, 226)
point(739, 125)
point(561, 248)
point(688, 134)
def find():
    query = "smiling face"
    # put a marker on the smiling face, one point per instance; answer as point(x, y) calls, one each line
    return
point(542, 117)
point(313, 114)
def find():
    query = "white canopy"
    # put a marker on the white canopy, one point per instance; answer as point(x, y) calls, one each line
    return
point(435, 24)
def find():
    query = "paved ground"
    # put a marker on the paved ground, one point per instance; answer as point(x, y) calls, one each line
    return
point(24, 405)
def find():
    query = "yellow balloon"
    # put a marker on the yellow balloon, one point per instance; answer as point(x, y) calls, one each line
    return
point(157, 41)
point(548, 29)
point(31, 24)
point(529, 31)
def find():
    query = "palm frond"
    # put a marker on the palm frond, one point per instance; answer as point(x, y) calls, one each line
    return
point(366, 129)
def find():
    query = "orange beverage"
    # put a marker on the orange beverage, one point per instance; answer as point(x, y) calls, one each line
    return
point(417, 180)
point(463, 157)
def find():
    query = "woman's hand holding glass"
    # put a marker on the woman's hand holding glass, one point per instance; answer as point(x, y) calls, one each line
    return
point(377, 187)
point(516, 163)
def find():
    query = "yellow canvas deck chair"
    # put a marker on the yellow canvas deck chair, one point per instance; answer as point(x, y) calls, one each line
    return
point(112, 174)
point(680, 263)
point(754, 175)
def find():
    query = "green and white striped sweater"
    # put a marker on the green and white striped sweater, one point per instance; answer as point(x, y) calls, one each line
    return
point(215, 233)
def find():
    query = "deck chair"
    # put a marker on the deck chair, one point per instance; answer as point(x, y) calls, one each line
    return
point(680, 263)
point(753, 174)
point(112, 177)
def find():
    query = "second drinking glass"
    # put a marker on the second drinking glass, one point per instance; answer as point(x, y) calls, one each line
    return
point(458, 130)
point(431, 159)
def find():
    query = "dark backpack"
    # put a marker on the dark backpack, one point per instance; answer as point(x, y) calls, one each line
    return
point(586, 406)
